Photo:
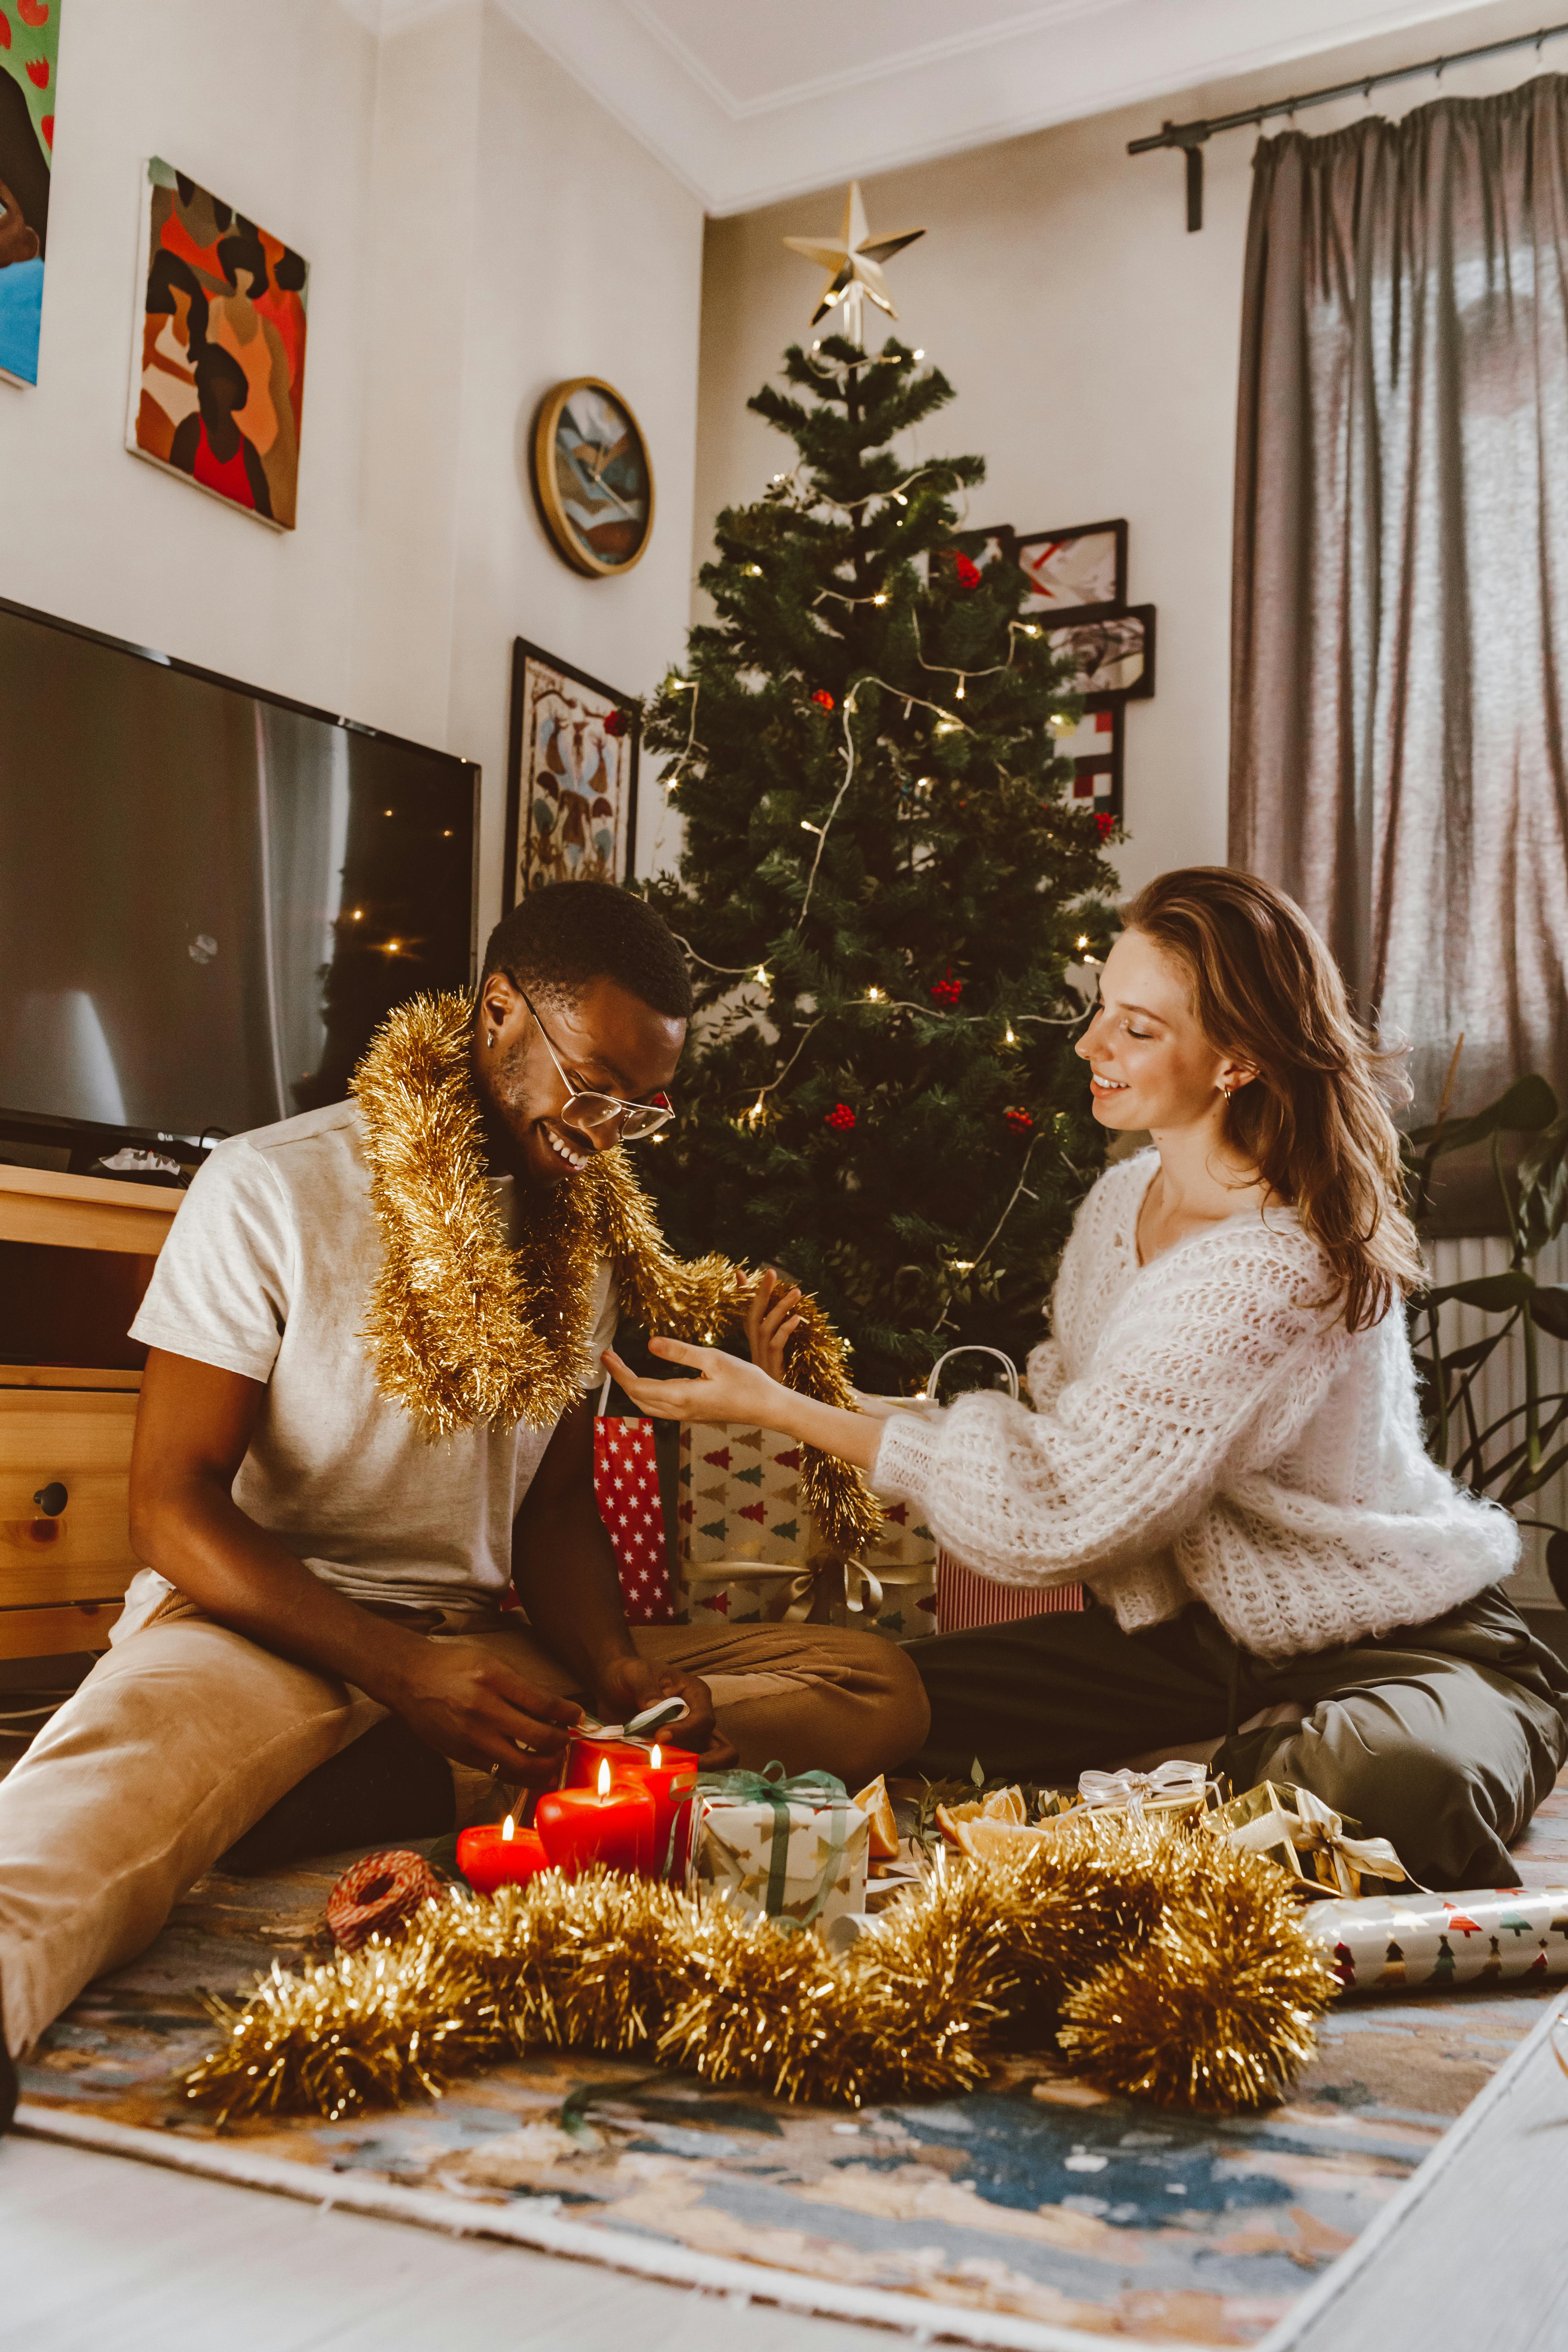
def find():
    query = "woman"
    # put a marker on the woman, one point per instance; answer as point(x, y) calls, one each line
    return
point(1224, 1444)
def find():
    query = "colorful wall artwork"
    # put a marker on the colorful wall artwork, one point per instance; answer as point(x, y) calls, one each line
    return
point(572, 782)
point(30, 45)
point(217, 382)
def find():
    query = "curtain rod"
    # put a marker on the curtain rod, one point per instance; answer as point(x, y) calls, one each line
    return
point(1190, 136)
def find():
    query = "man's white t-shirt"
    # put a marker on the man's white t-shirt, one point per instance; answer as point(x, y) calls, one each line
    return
point(267, 1272)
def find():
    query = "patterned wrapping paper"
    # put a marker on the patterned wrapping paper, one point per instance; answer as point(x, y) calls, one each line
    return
point(748, 1552)
point(1392, 1943)
point(795, 1849)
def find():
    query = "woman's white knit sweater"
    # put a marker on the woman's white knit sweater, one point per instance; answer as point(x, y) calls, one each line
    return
point(1202, 1428)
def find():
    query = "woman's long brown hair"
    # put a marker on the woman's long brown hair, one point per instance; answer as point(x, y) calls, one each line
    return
point(1315, 1121)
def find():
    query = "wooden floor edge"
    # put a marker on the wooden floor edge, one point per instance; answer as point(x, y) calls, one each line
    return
point(1342, 2276)
point(882, 2308)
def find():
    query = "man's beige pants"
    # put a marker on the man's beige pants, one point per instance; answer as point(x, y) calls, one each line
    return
point(186, 1733)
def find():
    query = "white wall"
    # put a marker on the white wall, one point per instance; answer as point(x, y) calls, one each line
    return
point(586, 260)
point(476, 228)
point(1092, 343)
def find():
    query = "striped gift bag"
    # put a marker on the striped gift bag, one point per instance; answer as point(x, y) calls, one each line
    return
point(965, 1599)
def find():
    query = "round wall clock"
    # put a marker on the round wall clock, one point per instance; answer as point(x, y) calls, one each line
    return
point(592, 476)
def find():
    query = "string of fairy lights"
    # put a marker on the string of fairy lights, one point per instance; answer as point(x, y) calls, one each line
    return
point(809, 496)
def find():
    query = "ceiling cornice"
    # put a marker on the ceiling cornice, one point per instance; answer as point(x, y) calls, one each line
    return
point(1056, 63)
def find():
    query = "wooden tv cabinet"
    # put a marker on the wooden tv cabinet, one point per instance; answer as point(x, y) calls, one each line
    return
point(78, 1253)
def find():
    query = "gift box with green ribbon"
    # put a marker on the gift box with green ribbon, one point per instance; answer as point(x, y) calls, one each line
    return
point(792, 1846)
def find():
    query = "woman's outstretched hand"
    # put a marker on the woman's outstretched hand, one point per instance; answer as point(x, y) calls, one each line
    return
point(722, 1388)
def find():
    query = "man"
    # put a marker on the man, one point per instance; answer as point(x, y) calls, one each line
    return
point(316, 1562)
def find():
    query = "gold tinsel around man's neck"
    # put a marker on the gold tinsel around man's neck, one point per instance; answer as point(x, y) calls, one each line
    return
point(463, 1328)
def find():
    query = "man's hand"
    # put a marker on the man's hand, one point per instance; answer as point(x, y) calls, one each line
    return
point(771, 1322)
point(628, 1684)
point(468, 1704)
point(722, 1388)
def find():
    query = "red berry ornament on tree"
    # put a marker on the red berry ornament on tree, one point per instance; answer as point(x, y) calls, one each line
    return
point(967, 570)
point(948, 991)
point(841, 1119)
point(617, 723)
point(1018, 1119)
point(1104, 820)
point(823, 696)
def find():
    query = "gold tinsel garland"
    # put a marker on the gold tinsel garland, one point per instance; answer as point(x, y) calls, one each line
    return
point(1172, 1965)
point(463, 1328)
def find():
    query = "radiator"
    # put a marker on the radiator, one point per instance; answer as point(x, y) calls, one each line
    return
point(1501, 1384)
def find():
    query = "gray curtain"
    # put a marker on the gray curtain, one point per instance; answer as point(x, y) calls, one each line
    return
point(1399, 629)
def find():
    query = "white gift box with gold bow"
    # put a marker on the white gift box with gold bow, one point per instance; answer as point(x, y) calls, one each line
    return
point(1174, 1787)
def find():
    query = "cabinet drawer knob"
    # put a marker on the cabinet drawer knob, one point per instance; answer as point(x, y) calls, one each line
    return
point(52, 1499)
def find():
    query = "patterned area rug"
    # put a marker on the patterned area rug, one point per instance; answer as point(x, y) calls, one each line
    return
point(1033, 2207)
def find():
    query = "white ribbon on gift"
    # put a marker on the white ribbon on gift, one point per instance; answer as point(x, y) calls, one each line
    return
point(1316, 1828)
point(1178, 1778)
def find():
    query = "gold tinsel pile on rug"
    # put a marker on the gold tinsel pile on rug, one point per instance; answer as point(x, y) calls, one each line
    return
point(1171, 1965)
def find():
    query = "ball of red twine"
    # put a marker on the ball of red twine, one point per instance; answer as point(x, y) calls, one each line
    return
point(381, 1892)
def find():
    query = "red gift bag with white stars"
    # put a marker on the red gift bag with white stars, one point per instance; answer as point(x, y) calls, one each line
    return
point(626, 1484)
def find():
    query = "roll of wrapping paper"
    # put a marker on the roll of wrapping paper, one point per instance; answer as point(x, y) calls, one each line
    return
point(1401, 1943)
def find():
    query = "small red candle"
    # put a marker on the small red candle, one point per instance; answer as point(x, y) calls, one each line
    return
point(670, 1776)
point(612, 1823)
point(498, 1853)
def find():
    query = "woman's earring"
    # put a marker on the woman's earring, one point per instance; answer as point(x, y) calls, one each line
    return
point(1224, 1089)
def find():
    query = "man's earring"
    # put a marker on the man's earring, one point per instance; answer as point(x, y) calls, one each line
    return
point(490, 1037)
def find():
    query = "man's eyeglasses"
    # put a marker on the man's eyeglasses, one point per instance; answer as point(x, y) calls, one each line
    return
point(585, 1107)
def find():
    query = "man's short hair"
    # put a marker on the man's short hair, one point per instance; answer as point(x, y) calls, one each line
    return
point(570, 933)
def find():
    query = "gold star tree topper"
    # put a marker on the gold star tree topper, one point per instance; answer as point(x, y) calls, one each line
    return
point(853, 268)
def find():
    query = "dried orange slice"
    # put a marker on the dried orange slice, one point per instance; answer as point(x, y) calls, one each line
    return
point(875, 1801)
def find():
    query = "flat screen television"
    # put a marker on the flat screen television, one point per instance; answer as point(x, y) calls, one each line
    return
point(209, 895)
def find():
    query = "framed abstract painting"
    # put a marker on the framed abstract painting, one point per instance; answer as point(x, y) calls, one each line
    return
point(217, 379)
point(1080, 572)
point(29, 47)
point(572, 777)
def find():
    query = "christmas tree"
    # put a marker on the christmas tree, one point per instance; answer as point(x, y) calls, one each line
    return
point(881, 886)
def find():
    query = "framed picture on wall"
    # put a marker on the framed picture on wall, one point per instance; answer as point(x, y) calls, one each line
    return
point(1080, 572)
point(218, 374)
point(1094, 747)
point(28, 53)
point(1110, 660)
point(571, 776)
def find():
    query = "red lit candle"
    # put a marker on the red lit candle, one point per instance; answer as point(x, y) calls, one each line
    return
point(670, 1776)
point(612, 1823)
point(498, 1853)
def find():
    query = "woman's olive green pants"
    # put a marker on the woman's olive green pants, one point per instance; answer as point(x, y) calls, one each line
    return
point(1441, 1738)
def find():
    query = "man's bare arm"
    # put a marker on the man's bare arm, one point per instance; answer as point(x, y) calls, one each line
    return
point(193, 1427)
point(563, 1566)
